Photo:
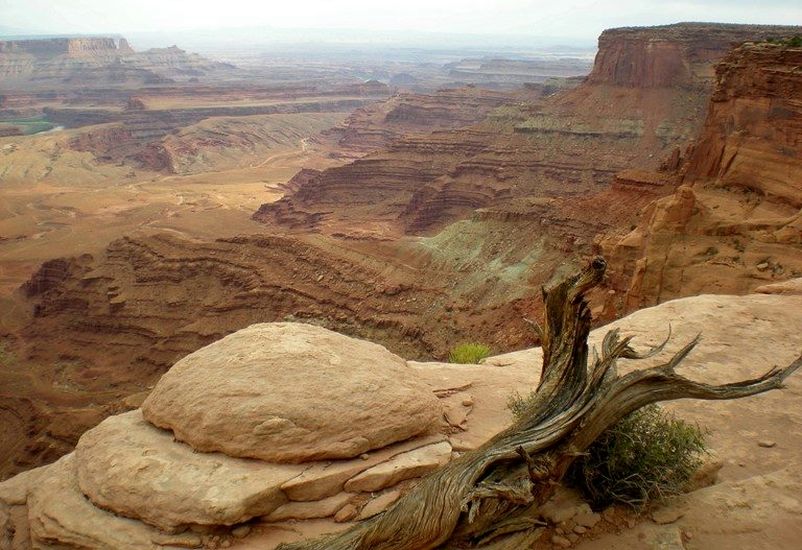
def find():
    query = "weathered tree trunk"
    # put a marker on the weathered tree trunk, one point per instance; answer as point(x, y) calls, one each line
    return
point(490, 496)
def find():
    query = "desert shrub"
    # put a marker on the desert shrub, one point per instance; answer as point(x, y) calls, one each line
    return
point(518, 404)
point(469, 352)
point(647, 456)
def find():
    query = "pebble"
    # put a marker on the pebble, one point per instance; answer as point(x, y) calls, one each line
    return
point(664, 516)
point(587, 519)
point(562, 542)
point(767, 443)
point(242, 531)
point(580, 529)
point(467, 402)
point(364, 456)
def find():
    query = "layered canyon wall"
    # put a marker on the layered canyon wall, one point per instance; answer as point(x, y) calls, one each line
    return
point(671, 55)
point(735, 222)
point(643, 102)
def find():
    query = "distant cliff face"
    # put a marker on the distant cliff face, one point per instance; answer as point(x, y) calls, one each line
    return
point(65, 46)
point(735, 223)
point(63, 63)
point(671, 55)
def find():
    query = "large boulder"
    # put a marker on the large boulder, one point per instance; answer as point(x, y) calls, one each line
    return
point(130, 467)
point(290, 392)
point(61, 516)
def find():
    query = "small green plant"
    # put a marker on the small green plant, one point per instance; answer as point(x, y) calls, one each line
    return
point(793, 41)
point(646, 457)
point(469, 352)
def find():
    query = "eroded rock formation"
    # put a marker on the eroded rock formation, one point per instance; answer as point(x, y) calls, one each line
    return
point(734, 223)
point(644, 101)
point(671, 55)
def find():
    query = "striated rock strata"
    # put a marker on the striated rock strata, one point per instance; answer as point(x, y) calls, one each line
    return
point(640, 107)
point(735, 222)
point(672, 55)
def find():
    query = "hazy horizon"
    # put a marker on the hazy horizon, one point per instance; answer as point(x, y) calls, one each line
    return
point(503, 22)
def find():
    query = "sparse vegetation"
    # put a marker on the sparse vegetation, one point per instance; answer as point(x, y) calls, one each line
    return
point(518, 404)
point(646, 457)
point(793, 42)
point(469, 352)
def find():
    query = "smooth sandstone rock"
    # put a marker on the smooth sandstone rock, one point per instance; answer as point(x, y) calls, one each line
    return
point(789, 287)
point(14, 491)
point(310, 510)
point(128, 466)
point(407, 465)
point(489, 388)
point(290, 392)
point(61, 516)
point(346, 513)
point(324, 479)
point(379, 504)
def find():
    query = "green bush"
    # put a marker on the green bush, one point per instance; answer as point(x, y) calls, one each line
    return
point(470, 352)
point(647, 456)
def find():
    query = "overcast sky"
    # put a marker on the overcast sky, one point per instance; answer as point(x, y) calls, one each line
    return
point(570, 18)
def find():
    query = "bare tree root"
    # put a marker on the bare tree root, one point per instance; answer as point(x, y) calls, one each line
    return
point(490, 497)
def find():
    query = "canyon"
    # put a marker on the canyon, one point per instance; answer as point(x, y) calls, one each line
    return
point(416, 219)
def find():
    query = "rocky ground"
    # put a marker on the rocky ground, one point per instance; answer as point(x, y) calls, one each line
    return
point(232, 465)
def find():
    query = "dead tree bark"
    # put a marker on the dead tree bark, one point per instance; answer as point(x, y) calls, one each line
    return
point(487, 495)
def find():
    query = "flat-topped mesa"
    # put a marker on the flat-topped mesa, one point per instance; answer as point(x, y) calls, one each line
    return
point(681, 54)
point(77, 46)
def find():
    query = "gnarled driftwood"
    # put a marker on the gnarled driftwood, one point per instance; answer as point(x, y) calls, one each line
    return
point(491, 496)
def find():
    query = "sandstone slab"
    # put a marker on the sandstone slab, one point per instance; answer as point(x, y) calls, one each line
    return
point(15, 491)
point(407, 465)
point(290, 392)
point(487, 387)
point(60, 516)
point(310, 510)
point(791, 286)
point(324, 479)
point(379, 504)
point(127, 465)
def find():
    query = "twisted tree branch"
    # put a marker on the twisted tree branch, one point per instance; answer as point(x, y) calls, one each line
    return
point(486, 496)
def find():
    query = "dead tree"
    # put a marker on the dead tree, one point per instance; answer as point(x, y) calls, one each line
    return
point(490, 497)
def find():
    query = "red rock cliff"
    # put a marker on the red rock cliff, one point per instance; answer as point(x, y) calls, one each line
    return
point(736, 222)
point(670, 55)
